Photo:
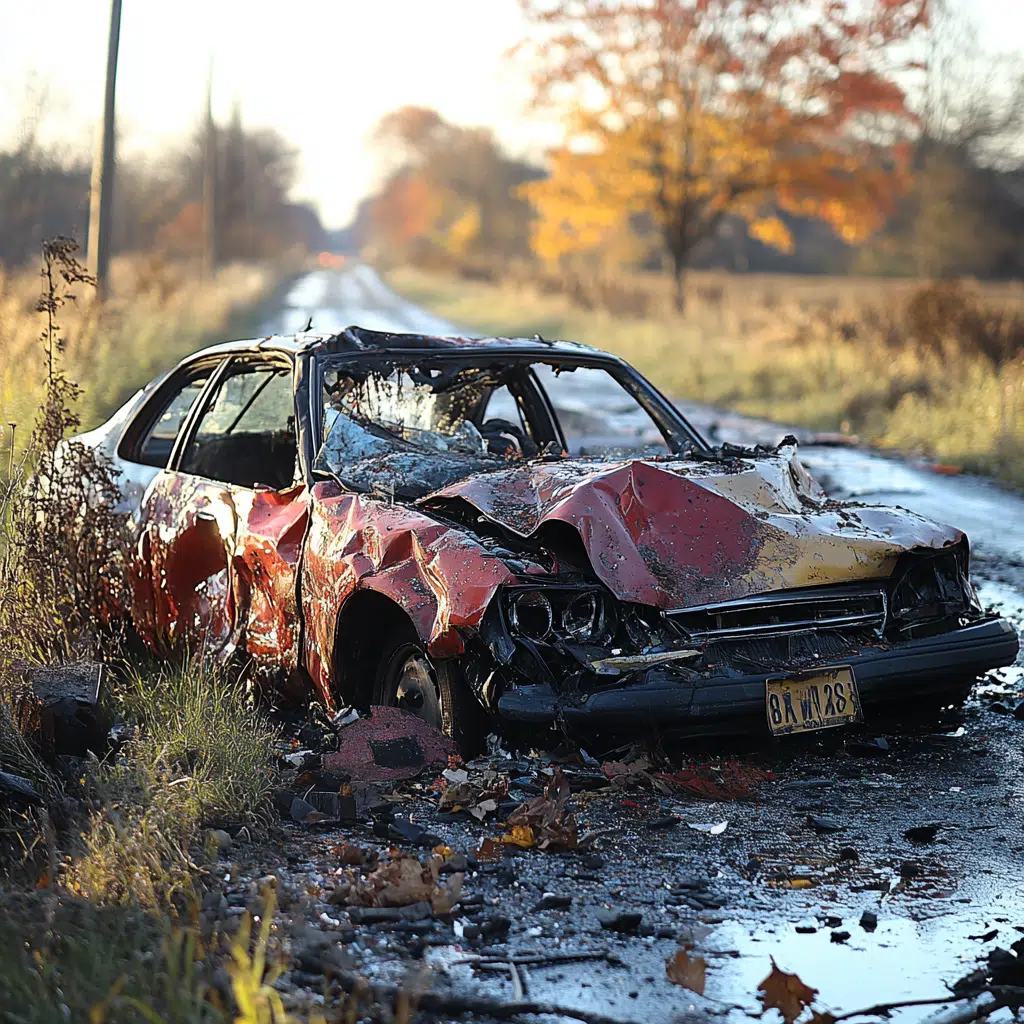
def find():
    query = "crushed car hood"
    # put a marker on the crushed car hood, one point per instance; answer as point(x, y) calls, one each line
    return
point(678, 533)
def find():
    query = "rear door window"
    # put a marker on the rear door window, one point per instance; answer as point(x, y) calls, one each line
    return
point(158, 440)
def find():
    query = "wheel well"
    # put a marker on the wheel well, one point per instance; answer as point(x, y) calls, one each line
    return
point(369, 624)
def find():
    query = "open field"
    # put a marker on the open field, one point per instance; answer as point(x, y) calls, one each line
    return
point(936, 372)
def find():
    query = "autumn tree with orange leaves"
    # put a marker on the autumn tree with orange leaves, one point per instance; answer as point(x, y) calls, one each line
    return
point(693, 110)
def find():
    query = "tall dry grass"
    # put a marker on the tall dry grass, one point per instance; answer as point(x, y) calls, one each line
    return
point(930, 370)
point(156, 314)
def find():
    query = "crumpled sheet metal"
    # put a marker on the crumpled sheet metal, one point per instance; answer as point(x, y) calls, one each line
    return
point(677, 534)
point(180, 569)
point(214, 562)
point(439, 575)
point(267, 553)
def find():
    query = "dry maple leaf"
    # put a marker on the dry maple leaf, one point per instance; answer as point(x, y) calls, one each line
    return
point(785, 993)
point(552, 824)
point(520, 835)
point(687, 971)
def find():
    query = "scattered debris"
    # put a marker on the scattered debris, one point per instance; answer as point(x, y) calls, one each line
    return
point(301, 760)
point(730, 780)
point(711, 829)
point(822, 824)
point(624, 922)
point(402, 880)
point(479, 796)
point(545, 821)
point(922, 833)
point(551, 901)
point(869, 745)
point(869, 920)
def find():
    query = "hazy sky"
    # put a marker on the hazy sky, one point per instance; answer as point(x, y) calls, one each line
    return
point(321, 71)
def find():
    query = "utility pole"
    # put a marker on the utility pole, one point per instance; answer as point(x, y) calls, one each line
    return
point(209, 264)
point(102, 187)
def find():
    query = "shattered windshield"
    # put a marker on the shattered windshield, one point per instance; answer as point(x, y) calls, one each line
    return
point(409, 430)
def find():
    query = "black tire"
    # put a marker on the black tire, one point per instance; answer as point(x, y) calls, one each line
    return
point(433, 690)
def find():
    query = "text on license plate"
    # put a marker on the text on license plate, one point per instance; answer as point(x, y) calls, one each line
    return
point(820, 699)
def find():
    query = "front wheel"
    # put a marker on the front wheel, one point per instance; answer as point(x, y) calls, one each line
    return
point(434, 691)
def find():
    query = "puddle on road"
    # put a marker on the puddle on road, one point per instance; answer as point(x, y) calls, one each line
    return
point(902, 959)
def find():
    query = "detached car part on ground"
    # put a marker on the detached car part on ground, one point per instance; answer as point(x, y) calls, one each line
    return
point(526, 532)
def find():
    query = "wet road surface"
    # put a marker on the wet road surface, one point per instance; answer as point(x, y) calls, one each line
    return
point(821, 842)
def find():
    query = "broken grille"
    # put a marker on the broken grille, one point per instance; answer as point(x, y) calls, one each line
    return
point(785, 613)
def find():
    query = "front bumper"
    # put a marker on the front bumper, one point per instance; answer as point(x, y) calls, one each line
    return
point(735, 703)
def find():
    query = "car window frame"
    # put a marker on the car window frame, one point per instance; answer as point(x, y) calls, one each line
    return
point(163, 394)
point(199, 409)
point(679, 433)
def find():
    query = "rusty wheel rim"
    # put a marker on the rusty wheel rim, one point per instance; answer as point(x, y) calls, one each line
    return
point(413, 689)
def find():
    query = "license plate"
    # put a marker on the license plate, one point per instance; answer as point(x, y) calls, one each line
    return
point(822, 698)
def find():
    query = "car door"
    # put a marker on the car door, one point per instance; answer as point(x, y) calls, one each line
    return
point(221, 527)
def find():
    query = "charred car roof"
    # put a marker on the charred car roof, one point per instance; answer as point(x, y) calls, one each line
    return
point(360, 340)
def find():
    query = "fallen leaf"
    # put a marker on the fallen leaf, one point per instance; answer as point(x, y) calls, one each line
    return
point(731, 780)
point(489, 850)
point(785, 993)
point(404, 880)
point(520, 835)
point(353, 856)
point(547, 817)
point(687, 971)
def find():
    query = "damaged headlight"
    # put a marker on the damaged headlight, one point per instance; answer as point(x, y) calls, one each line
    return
point(583, 618)
point(932, 587)
point(531, 615)
point(572, 615)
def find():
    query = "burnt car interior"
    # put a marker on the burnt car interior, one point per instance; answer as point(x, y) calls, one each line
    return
point(245, 434)
point(409, 428)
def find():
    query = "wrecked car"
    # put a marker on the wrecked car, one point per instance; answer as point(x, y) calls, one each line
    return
point(522, 533)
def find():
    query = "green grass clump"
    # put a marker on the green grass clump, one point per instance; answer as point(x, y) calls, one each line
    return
point(201, 756)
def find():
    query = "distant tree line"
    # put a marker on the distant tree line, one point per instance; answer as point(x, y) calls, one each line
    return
point(867, 136)
point(44, 191)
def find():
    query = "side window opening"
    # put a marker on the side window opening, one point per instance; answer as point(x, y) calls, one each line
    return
point(156, 446)
point(246, 436)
